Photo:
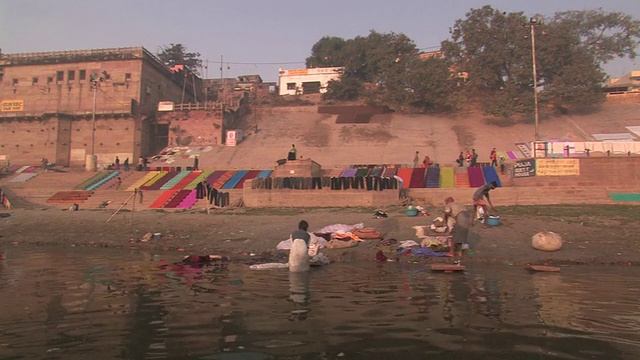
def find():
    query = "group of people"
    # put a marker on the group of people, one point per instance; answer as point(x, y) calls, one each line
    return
point(126, 165)
point(458, 218)
point(470, 158)
point(426, 161)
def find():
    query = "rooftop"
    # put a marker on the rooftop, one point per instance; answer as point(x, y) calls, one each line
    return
point(70, 56)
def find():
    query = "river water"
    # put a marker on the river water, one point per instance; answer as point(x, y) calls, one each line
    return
point(114, 304)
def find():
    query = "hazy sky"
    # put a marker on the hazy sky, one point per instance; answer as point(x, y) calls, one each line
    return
point(252, 36)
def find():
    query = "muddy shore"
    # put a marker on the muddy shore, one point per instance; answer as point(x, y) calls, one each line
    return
point(592, 235)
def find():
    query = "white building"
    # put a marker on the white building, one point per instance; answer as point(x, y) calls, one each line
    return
point(306, 81)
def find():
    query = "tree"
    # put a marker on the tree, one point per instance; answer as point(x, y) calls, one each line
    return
point(176, 54)
point(326, 52)
point(494, 48)
point(386, 63)
point(427, 84)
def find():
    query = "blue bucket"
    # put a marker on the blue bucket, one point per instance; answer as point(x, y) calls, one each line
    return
point(411, 212)
point(493, 220)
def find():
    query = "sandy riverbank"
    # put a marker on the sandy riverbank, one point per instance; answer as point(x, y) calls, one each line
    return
point(592, 234)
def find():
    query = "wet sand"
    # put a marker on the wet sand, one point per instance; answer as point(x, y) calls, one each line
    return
point(251, 235)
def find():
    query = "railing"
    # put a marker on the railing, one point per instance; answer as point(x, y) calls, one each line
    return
point(217, 105)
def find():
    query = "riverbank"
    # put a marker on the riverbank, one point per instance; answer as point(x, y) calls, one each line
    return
point(592, 234)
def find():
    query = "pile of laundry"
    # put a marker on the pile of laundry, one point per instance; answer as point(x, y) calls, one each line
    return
point(341, 236)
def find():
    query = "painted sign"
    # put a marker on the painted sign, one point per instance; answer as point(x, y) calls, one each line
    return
point(233, 137)
point(165, 106)
point(297, 72)
point(557, 167)
point(12, 105)
point(524, 168)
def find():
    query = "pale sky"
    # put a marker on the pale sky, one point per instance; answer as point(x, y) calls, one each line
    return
point(253, 36)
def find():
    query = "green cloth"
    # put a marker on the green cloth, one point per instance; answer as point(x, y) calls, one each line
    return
point(625, 197)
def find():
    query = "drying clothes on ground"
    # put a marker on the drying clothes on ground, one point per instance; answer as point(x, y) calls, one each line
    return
point(347, 236)
point(341, 244)
point(425, 252)
point(407, 244)
point(314, 241)
point(269, 266)
point(435, 241)
point(368, 233)
point(339, 228)
point(319, 260)
point(387, 242)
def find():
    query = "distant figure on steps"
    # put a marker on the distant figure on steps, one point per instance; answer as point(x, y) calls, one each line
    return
point(292, 153)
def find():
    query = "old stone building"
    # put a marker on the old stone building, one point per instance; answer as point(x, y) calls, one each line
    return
point(68, 105)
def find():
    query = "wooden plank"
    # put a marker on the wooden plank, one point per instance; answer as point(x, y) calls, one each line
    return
point(447, 267)
point(543, 268)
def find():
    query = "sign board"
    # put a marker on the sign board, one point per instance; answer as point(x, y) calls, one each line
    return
point(524, 168)
point(297, 72)
point(12, 105)
point(233, 137)
point(165, 106)
point(557, 167)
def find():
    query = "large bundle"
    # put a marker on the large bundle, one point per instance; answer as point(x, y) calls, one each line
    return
point(546, 241)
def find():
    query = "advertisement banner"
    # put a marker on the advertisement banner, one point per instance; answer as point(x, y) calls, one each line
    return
point(524, 168)
point(557, 167)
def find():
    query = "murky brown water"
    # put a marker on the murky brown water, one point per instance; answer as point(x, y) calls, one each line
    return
point(104, 304)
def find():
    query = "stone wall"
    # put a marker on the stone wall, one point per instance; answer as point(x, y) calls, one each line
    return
point(615, 172)
point(317, 198)
point(66, 140)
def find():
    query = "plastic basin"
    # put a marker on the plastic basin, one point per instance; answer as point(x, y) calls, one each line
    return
point(411, 212)
point(493, 220)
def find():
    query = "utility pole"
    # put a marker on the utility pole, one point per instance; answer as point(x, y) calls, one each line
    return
point(93, 119)
point(222, 78)
point(206, 76)
point(95, 80)
point(532, 24)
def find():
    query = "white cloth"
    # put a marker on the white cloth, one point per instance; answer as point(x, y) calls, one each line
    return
point(339, 228)
point(299, 256)
point(269, 266)
point(317, 241)
point(408, 243)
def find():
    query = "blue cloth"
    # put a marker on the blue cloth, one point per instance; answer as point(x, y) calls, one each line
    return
point(425, 251)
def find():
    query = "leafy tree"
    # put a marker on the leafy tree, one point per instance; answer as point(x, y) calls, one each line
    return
point(426, 84)
point(387, 66)
point(494, 48)
point(176, 54)
point(327, 52)
point(344, 89)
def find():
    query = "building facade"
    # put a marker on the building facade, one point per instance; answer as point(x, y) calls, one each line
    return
point(306, 81)
point(66, 105)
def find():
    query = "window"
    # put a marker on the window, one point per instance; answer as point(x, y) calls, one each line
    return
point(291, 86)
point(82, 74)
point(49, 79)
point(71, 75)
point(127, 76)
point(34, 81)
point(14, 82)
point(60, 76)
